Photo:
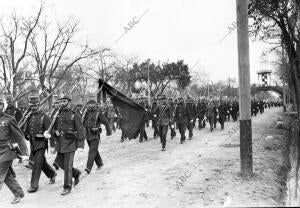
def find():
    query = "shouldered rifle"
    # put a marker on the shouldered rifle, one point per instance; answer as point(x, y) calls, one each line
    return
point(162, 111)
point(54, 119)
point(27, 113)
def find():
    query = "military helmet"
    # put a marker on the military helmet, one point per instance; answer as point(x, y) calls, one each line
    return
point(64, 96)
point(34, 98)
point(92, 99)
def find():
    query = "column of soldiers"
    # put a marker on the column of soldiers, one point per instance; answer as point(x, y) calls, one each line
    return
point(63, 131)
point(185, 113)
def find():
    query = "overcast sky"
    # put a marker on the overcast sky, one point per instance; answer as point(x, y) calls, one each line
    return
point(169, 30)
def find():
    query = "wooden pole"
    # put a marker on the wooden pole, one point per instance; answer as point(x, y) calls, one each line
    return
point(244, 89)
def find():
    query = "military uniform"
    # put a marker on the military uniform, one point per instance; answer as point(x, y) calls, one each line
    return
point(181, 119)
point(9, 134)
point(68, 132)
point(201, 110)
point(190, 115)
point(222, 114)
point(91, 122)
point(154, 115)
point(36, 125)
point(210, 114)
point(165, 114)
point(172, 125)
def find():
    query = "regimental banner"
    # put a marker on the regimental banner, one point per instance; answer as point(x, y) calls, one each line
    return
point(132, 114)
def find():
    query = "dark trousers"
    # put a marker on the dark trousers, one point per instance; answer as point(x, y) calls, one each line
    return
point(222, 120)
point(211, 122)
point(173, 133)
point(40, 164)
point(143, 134)
point(190, 126)
point(94, 155)
point(182, 127)
point(155, 127)
point(65, 162)
point(163, 130)
point(215, 121)
point(8, 176)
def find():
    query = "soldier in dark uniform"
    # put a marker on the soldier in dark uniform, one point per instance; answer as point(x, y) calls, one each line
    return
point(216, 115)
point(189, 111)
point(210, 113)
point(91, 122)
point(172, 126)
point(12, 110)
point(10, 134)
point(164, 118)
point(154, 114)
point(201, 110)
point(34, 129)
point(181, 119)
point(68, 133)
point(222, 113)
point(235, 109)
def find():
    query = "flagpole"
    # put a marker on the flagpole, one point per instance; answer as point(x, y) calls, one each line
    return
point(149, 101)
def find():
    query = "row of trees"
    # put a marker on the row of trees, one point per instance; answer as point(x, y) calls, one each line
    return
point(278, 22)
point(38, 53)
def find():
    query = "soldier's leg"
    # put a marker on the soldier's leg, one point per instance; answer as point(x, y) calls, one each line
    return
point(190, 124)
point(93, 150)
point(156, 132)
point(210, 119)
point(164, 135)
point(182, 127)
point(7, 176)
point(215, 121)
point(38, 159)
point(68, 169)
point(48, 170)
point(173, 133)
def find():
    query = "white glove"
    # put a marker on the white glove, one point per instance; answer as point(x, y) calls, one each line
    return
point(47, 135)
point(172, 126)
point(154, 116)
point(217, 117)
point(24, 157)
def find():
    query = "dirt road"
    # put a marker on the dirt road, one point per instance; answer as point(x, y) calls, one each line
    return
point(201, 172)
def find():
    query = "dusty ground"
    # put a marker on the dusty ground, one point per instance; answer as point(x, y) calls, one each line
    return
point(201, 172)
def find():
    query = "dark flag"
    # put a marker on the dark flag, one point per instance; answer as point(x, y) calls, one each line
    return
point(133, 114)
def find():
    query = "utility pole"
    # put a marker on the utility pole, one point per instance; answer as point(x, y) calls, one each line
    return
point(244, 89)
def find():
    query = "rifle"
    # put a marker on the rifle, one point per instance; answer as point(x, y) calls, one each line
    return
point(54, 119)
point(163, 110)
point(28, 113)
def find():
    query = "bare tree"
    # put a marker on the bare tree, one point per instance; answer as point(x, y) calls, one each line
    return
point(16, 32)
point(53, 53)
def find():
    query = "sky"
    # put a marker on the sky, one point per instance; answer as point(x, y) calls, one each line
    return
point(169, 30)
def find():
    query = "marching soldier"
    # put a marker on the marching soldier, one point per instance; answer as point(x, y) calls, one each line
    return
point(201, 110)
point(172, 126)
point(181, 119)
point(34, 129)
point(10, 135)
point(222, 113)
point(189, 111)
point(91, 120)
point(11, 110)
point(154, 115)
point(210, 114)
point(69, 135)
point(164, 120)
point(110, 114)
